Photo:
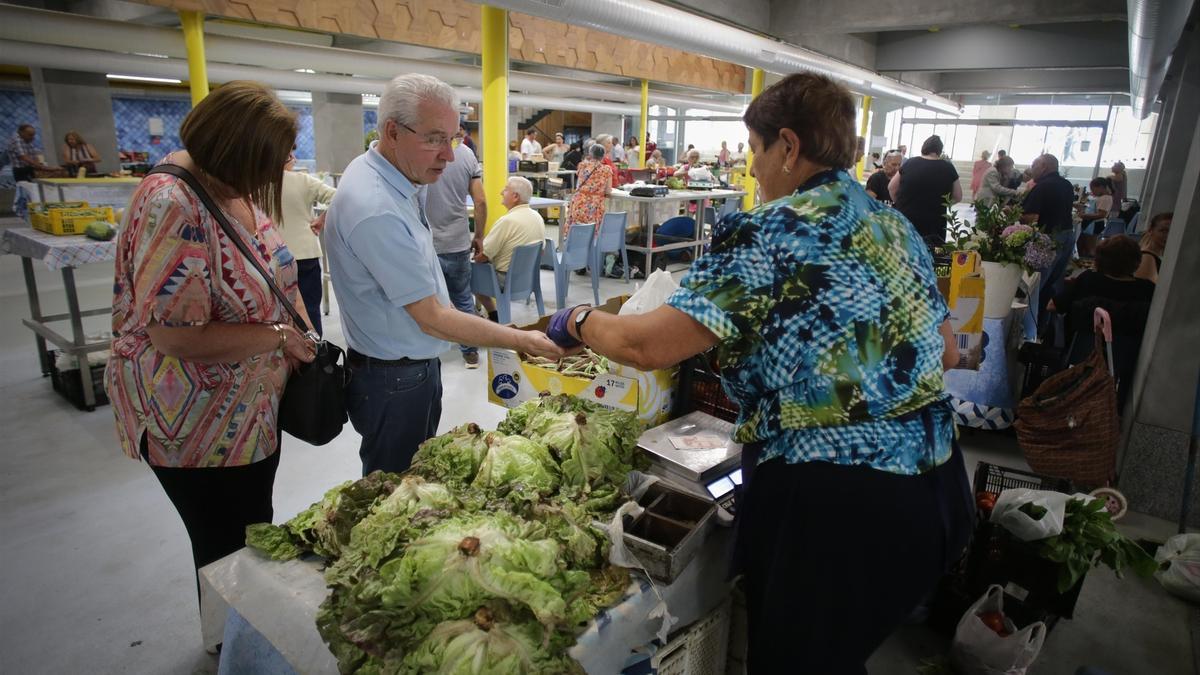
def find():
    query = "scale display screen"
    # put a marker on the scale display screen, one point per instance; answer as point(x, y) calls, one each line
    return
point(724, 485)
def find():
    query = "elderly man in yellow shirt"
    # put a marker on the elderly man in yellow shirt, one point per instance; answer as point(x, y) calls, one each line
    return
point(520, 226)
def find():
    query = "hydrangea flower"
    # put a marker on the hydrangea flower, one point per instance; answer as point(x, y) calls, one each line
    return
point(1039, 252)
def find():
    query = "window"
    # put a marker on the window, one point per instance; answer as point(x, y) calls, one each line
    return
point(1028, 142)
point(1128, 139)
point(963, 149)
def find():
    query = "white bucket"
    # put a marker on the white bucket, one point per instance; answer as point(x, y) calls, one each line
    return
point(1000, 287)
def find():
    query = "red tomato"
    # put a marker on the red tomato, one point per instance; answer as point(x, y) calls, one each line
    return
point(994, 621)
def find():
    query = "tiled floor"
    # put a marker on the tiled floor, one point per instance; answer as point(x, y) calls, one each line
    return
point(97, 574)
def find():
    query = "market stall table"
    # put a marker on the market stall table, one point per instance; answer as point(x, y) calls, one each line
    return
point(63, 253)
point(644, 204)
point(102, 190)
point(272, 607)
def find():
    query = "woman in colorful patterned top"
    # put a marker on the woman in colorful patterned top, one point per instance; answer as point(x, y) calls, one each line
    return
point(595, 184)
point(202, 348)
point(832, 337)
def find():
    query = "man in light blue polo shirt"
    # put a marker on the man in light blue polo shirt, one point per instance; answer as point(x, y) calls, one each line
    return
point(395, 312)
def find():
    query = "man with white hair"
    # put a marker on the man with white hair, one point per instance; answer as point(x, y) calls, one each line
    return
point(395, 311)
point(519, 227)
point(877, 184)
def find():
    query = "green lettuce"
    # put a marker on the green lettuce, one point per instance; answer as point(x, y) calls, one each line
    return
point(324, 528)
point(517, 468)
point(273, 541)
point(452, 458)
point(409, 510)
point(593, 449)
point(486, 644)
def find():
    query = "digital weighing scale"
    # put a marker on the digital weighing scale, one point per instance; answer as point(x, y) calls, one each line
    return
point(696, 454)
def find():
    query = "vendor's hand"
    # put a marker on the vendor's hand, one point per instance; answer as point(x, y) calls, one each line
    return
point(299, 348)
point(538, 343)
point(317, 224)
point(476, 247)
point(558, 329)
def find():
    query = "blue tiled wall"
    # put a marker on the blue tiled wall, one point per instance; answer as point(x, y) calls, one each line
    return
point(132, 119)
point(17, 107)
point(370, 119)
point(305, 145)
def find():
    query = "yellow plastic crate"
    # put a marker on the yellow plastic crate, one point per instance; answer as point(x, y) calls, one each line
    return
point(65, 220)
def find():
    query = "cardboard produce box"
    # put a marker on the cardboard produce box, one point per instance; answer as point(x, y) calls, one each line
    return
point(963, 291)
point(512, 381)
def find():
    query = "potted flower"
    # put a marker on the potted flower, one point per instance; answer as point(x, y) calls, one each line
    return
point(1007, 249)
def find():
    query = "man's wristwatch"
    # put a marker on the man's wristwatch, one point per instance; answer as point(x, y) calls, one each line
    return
point(579, 319)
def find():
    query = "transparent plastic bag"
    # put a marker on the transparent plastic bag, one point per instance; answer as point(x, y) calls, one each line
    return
point(1009, 515)
point(1182, 577)
point(653, 294)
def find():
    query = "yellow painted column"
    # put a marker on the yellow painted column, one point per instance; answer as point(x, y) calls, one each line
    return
point(193, 39)
point(862, 131)
point(756, 87)
point(494, 122)
point(644, 140)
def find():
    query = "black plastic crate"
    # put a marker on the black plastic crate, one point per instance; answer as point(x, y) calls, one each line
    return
point(996, 479)
point(70, 384)
point(700, 389)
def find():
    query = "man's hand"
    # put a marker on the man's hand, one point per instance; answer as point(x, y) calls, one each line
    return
point(477, 246)
point(538, 343)
point(317, 224)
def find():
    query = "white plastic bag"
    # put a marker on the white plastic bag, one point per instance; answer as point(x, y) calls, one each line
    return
point(1182, 578)
point(653, 294)
point(1008, 514)
point(978, 650)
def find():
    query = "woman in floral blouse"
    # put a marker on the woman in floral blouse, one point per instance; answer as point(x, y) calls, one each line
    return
point(823, 307)
point(595, 184)
point(202, 348)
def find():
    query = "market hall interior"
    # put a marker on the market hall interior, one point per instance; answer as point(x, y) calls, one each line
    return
point(98, 573)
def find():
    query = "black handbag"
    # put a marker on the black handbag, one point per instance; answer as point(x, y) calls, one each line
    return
point(313, 405)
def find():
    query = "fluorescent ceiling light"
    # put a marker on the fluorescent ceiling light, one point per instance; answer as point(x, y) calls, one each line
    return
point(310, 71)
point(896, 92)
point(152, 55)
point(139, 78)
point(944, 107)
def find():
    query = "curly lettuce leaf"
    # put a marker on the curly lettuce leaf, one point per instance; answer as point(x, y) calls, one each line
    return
point(486, 644)
point(518, 468)
point(273, 541)
point(324, 527)
point(452, 458)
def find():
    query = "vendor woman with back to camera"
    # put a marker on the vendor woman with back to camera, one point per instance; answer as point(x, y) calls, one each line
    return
point(831, 335)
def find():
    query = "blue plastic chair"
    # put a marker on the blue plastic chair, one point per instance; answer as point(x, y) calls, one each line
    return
point(730, 206)
point(524, 277)
point(611, 239)
point(574, 255)
point(1133, 222)
point(711, 217)
point(1114, 227)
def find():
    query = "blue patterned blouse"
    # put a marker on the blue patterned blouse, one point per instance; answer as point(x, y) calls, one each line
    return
point(826, 306)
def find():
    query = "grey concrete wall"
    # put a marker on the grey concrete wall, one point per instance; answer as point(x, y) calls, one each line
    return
point(1181, 111)
point(752, 14)
point(985, 47)
point(856, 49)
point(72, 101)
point(337, 129)
point(607, 124)
point(863, 16)
point(1163, 399)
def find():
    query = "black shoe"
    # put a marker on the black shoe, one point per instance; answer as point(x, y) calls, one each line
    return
point(582, 273)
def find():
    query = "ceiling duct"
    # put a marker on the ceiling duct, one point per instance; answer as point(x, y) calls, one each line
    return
point(73, 30)
point(1155, 27)
point(93, 61)
point(665, 25)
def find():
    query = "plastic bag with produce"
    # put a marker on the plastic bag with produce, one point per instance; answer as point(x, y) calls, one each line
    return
point(987, 642)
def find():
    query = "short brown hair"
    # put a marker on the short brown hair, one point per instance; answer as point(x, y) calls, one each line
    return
point(242, 135)
point(1118, 256)
point(820, 112)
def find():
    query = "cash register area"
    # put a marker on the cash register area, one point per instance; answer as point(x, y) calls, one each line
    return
point(95, 543)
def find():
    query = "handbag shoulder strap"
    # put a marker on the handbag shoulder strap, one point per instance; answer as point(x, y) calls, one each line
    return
point(187, 177)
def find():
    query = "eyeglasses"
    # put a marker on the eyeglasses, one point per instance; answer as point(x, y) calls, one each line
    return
point(434, 141)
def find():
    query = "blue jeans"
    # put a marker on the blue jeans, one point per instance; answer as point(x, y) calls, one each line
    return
point(395, 408)
point(1064, 240)
point(308, 273)
point(456, 267)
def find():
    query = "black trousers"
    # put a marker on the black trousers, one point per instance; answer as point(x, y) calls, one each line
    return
point(308, 273)
point(216, 504)
point(23, 173)
point(836, 557)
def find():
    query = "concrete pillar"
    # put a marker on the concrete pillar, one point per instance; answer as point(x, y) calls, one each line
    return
point(1173, 153)
point(1162, 400)
point(80, 102)
point(337, 129)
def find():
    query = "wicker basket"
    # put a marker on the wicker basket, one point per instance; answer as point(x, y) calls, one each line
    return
point(1070, 427)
